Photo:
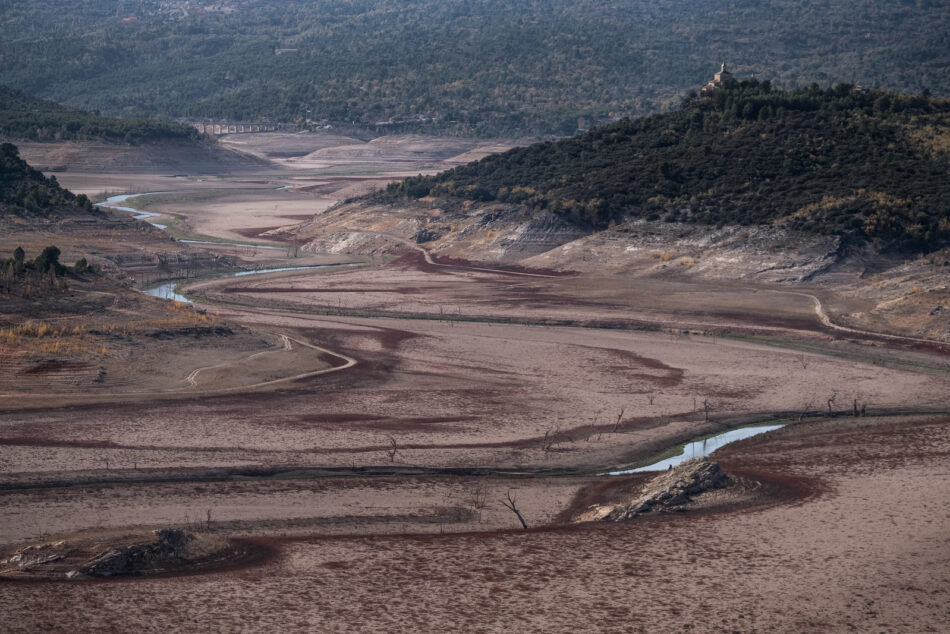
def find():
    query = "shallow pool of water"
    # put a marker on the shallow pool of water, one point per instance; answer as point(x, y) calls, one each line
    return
point(701, 448)
point(166, 291)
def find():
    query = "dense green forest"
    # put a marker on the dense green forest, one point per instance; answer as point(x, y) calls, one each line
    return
point(23, 117)
point(486, 67)
point(838, 161)
point(24, 191)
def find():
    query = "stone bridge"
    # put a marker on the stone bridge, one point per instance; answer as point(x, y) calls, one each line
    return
point(219, 129)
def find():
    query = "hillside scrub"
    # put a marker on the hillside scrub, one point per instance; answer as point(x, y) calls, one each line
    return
point(489, 68)
point(24, 191)
point(836, 161)
point(27, 118)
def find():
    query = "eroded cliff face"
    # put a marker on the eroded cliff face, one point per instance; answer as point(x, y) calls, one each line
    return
point(515, 235)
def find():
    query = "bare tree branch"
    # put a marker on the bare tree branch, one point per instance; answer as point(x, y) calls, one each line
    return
point(619, 418)
point(510, 505)
point(808, 406)
point(393, 449)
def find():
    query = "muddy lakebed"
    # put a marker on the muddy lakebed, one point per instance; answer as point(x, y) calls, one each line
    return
point(381, 486)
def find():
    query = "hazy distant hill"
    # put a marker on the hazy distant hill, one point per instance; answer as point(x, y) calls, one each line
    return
point(493, 67)
point(835, 161)
point(23, 117)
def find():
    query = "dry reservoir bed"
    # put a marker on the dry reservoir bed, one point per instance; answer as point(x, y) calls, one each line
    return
point(847, 533)
point(458, 395)
point(834, 526)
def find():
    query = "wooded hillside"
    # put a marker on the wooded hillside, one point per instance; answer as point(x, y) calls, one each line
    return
point(837, 161)
point(24, 191)
point(493, 67)
point(23, 117)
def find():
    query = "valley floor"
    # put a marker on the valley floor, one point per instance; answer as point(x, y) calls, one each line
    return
point(364, 422)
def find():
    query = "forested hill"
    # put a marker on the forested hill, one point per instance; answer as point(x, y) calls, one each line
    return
point(19, 101)
point(491, 67)
point(24, 191)
point(835, 161)
point(23, 117)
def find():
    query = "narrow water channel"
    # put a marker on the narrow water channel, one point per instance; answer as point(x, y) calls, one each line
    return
point(702, 448)
point(167, 290)
point(113, 202)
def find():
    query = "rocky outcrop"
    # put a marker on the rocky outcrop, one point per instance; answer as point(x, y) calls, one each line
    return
point(674, 489)
point(137, 558)
point(36, 555)
point(426, 235)
point(115, 554)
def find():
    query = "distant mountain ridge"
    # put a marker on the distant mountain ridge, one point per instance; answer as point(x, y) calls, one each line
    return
point(487, 68)
point(843, 160)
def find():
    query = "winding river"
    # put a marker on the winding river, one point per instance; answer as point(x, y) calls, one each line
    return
point(699, 448)
point(167, 290)
point(113, 202)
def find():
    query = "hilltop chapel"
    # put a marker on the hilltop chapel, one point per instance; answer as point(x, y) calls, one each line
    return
point(722, 78)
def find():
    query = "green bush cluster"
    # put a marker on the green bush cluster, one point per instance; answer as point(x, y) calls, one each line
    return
point(46, 261)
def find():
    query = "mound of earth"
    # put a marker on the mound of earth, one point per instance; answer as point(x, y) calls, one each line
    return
point(162, 551)
point(673, 490)
point(167, 156)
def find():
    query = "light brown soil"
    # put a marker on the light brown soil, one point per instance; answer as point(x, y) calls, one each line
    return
point(847, 533)
point(101, 157)
point(418, 392)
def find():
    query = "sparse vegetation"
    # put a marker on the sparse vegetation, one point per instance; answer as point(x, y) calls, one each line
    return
point(44, 273)
point(86, 340)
